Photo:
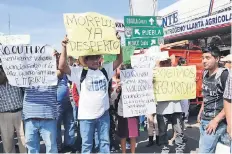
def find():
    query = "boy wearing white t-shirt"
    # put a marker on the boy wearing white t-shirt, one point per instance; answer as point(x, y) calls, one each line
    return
point(92, 83)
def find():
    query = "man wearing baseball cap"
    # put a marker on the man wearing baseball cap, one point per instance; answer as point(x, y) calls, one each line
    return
point(227, 61)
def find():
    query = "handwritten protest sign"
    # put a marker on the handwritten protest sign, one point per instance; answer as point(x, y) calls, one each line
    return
point(137, 92)
point(127, 52)
point(14, 39)
point(91, 34)
point(175, 83)
point(27, 65)
point(109, 58)
point(146, 60)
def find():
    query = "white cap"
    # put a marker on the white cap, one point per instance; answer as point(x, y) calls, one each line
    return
point(227, 58)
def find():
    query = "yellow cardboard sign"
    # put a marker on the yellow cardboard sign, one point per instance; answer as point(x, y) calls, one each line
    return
point(175, 83)
point(91, 34)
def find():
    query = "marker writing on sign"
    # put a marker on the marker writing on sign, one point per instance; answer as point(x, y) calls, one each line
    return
point(89, 21)
point(176, 87)
point(7, 50)
point(105, 45)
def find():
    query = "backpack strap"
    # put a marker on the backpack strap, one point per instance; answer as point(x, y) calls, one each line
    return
point(83, 75)
point(104, 72)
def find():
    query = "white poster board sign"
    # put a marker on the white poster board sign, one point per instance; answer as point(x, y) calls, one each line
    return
point(27, 65)
point(137, 92)
point(14, 39)
point(147, 60)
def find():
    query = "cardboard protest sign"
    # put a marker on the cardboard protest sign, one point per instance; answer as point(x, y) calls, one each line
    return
point(28, 65)
point(137, 92)
point(127, 52)
point(14, 39)
point(146, 60)
point(91, 34)
point(175, 83)
point(109, 58)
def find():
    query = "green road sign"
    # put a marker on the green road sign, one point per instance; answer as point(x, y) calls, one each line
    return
point(136, 21)
point(144, 32)
point(142, 42)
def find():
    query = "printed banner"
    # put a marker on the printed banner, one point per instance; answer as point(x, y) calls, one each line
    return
point(175, 83)
point(214, 20)
point(14, 39)
point(91, 34)
point(137, 92)
point(27, 65)
point(146, 60)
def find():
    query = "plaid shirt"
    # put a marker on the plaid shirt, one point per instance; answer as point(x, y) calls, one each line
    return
point(228, 90)
point(11, 98)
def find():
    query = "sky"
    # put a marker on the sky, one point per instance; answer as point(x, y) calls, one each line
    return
point(43, 19)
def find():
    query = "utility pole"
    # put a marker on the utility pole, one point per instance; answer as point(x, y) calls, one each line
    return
point(143, 7)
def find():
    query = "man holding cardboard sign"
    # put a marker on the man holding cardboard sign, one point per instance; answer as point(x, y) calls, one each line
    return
point(93, 83)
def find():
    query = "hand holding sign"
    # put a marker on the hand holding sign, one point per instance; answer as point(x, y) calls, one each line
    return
point(65, 41)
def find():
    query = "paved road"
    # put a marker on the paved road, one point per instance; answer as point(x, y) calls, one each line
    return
point(192, 134)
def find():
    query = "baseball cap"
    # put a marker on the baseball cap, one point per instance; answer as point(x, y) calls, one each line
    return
point(227, 58)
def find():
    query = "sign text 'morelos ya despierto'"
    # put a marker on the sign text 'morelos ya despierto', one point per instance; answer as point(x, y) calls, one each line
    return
point(91, 34)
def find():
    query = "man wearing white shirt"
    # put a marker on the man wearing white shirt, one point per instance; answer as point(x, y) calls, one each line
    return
point(93, 86)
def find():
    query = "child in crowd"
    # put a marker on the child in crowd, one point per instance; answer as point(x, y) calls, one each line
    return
point(127, 127)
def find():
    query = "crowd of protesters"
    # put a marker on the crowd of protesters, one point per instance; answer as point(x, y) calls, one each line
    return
point(87, 100)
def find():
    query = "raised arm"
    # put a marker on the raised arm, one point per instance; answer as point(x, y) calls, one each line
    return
point(63, 65)
point(118, 62)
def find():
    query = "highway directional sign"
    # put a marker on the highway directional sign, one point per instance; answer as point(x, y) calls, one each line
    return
point(134, 21)
point(142, 42)
point(144, 32)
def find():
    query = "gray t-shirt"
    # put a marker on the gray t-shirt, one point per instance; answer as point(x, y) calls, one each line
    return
point(168, 107)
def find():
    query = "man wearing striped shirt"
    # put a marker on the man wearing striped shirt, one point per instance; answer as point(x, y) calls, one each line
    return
point(228, 106)
point(40, 115)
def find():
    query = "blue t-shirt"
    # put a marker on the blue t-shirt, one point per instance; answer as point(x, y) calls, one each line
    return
point(63, 90)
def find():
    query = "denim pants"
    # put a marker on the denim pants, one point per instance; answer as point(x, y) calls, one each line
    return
point(177, 123)
point(65, 115)
point(34, 128)
point(88, 129)
point(75, 112)
point(208, 143)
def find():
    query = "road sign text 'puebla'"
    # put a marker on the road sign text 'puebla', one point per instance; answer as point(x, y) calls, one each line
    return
point(142, 31)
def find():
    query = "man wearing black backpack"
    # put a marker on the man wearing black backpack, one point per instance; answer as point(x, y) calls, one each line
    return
point(212, 115)
point(92, 82)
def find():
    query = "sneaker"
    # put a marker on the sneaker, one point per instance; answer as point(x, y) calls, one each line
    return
point(113, 150)
point(128, 146)
point(150, 144)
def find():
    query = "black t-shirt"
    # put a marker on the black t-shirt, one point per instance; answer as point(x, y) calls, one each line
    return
point(213, 89)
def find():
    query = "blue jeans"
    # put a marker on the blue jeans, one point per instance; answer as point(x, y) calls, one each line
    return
point(208, 143)
point(75, 111)
point(88, 128)
point(65, 115)
point(34, 128)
